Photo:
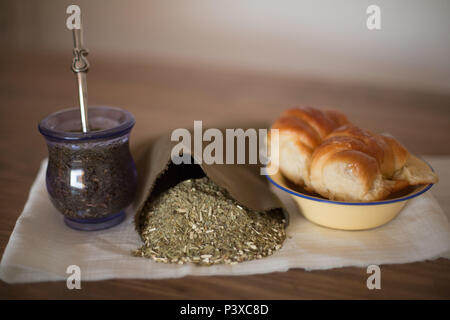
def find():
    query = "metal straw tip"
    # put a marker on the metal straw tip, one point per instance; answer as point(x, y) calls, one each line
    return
point(80, 66)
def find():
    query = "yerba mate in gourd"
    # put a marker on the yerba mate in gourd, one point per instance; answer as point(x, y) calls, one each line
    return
point(91, 177)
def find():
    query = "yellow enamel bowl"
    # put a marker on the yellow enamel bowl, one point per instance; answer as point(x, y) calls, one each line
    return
point(346, 215)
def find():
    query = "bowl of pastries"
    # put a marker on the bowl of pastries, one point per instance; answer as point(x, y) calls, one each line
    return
point(340, 175)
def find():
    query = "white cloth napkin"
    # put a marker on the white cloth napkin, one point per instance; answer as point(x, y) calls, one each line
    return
point(41, 247)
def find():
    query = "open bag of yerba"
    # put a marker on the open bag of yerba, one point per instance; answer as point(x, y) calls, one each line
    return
point(196, 205)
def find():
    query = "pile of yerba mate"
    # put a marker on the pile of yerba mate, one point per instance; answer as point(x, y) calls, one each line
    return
point(198, 221)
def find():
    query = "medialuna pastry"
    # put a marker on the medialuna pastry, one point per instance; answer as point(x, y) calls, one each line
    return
point(324, 153)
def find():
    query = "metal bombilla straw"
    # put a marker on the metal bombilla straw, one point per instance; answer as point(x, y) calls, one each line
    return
point(80, 67)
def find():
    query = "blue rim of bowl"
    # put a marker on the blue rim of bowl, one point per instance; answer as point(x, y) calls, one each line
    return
point(117, 131)
point(301, 195)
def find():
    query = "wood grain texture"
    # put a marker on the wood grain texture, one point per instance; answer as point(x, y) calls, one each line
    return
point(165, 95)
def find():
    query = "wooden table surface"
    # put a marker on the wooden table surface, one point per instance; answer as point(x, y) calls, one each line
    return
point(165, 95)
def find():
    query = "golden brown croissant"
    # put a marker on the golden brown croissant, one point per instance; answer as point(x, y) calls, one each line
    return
point(324, 153)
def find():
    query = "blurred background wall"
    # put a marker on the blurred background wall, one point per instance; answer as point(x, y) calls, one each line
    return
point(309, 39)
